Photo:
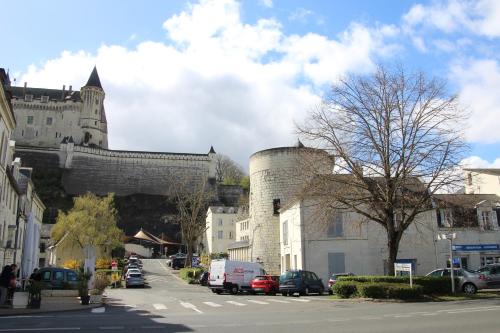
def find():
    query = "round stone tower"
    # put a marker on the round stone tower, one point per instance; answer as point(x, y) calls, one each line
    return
point(93, 117)
point(276, 178)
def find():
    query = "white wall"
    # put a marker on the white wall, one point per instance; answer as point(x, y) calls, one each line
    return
point(220, 219)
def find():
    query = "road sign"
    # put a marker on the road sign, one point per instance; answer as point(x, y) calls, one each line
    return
point(114, 265)
point(404, 267)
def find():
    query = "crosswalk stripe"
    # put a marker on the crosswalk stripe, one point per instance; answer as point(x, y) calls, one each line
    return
point(277, 300)
point(101, 309)
point(212, 304)
point(235, 303)
point(190, 306)
point(159, 306)
point(257, 302)
point(299, 300)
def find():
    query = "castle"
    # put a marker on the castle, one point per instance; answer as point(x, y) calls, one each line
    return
point(64, 132)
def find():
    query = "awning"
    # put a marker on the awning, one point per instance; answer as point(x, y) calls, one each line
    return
point(144, 235)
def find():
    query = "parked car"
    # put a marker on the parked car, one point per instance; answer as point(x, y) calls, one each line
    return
point(178, 262)
point(468, 281)
point(203, 280)
point(132, 271)
point(232, 276)
point(267, 284)
point(333, 279)
point(492, 275)
point(57, 278)
point(302, 282)
point(134, 279)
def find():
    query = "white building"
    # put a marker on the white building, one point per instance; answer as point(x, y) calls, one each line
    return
point(240, 249)
point(482, 181)
point(346, 242)
point(220, 228)
point(9, 191)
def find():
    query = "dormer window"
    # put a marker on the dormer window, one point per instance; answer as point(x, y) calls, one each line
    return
point(49, 121)
point(28, 98)
point(45, 99)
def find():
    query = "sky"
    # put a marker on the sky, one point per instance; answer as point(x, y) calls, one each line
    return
point(238, 75)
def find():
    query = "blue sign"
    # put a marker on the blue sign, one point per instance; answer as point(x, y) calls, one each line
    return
point(476, 247)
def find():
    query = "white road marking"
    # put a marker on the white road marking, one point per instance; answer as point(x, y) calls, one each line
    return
point(159, 306)
point(212, 304)
point(40, 329)
point(430, 314)
point(277, 300)
point(257, 302)
point(132, 308)
point(190, 306)
point(235, 303)
point(101, 309)
point(300, 300)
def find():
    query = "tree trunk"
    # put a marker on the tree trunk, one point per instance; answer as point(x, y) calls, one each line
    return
point(189, 254)
point(392, 246)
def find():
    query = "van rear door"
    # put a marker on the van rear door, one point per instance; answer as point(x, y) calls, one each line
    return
point(217, 271)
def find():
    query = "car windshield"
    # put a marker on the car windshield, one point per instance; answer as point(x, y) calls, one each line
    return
point(289, 275)
point(260, 278)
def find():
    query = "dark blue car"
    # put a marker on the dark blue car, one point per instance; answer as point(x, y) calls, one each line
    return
point(302, 282)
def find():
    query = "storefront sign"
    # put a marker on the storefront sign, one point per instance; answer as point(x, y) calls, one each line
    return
point(476, 247)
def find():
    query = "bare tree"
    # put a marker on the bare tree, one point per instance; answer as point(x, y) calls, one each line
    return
point(228, 171)
point(396, 138)
point(193, 199)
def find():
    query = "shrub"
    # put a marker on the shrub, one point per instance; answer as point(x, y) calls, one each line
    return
point(188, 274)
point(71, 264)
point(404, 291)
point(372, 290)
point(101, 281)
point(103, 263)
point(345, 289)
point(430, 284)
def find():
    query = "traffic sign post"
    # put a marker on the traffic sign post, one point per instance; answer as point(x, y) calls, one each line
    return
point(404, 267)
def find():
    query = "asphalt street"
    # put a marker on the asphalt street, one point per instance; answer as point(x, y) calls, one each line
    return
point(170, 305)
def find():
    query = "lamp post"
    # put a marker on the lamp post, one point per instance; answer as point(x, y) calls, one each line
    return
point(450, 237)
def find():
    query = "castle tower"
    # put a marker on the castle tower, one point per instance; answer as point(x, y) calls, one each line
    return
point(93, 116)
point(276, 177)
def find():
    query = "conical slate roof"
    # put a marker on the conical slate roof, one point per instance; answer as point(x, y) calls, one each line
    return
point(94, 80)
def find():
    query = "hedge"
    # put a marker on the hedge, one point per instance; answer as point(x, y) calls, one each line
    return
point(345, 289)
point(191, 275)
point(389, 290)
point(429, 284)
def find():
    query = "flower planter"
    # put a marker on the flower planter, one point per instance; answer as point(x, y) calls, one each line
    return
point(35, 303)
point(20, 300)
point(95, 299)
point(85, 299)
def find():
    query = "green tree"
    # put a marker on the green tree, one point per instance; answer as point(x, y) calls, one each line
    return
point(91, 221)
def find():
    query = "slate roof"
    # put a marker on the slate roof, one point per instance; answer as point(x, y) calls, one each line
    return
point(466, 200)
point(54, 94)
point(94, 80)
point(495, 172)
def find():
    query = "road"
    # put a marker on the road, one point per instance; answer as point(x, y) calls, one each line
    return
point(170, 305)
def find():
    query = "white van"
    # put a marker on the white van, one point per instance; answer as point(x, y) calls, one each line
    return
point(232, 276)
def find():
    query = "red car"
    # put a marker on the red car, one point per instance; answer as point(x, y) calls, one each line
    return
point(333, 280)
point(268, 284)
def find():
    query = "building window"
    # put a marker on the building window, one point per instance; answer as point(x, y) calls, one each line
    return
point(29, 120)
point(44, 99)
point(336, 226)
point(49, 121)
point(469, 178)
point(220, 222)
point(230, 235)
point(285, 233)
point(220, 234)
point(28, 98)
point(276, 206)
point(486, 220)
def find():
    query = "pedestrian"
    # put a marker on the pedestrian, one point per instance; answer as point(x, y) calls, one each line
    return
point(13, 281)
point(35, 276)
point(5, 280)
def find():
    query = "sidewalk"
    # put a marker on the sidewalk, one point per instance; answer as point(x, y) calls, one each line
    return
point(50, 304)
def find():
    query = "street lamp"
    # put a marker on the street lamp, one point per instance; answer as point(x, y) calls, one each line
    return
point(450, 237)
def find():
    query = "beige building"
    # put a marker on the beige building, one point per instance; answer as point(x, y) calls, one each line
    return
point(9, 191)
point(346, 242)
point(240, 249)
point(45, 117)
point(220, 228)
point(482, 181)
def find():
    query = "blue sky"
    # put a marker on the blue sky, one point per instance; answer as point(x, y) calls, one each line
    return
point(181, 76)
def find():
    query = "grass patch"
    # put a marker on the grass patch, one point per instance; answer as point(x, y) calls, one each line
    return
point(464, 297)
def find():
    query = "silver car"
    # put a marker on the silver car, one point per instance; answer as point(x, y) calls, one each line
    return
point(134, 279)
point(469, 282)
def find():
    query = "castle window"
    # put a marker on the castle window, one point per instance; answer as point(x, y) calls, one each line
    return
point(96, 103)
point(95, 111)
point(49, 121)
point(45, 99)
point(276, 206)
point(29, 120)
point(28, 98)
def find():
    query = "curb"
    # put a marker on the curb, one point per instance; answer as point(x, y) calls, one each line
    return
point(31, 313)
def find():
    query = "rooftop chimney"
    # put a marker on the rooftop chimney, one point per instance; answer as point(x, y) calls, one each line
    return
point(70, 88)
point(62, 94)
point(24, 89)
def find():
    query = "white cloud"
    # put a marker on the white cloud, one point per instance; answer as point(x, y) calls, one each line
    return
point(216, 81)
point(300, 14)
point(478, 82)
point(477, 17)
point(266, 3)
point(478, 162)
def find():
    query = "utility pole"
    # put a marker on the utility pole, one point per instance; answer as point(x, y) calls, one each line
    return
point(450, 237)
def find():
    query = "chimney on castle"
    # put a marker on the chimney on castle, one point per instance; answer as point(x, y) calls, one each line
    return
point(63, 90)
point(24, 89)
point(70, 88)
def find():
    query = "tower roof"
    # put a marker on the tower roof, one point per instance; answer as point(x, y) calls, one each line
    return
point(212, 151)
point(94, 80)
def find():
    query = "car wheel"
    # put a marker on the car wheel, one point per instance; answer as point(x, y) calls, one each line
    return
point(304, 292)
point(330, 292)
point(320, 291)
point(284, 293)
point(469, 288)
point(213, 290)
point(234, 289)
point(218, 291)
